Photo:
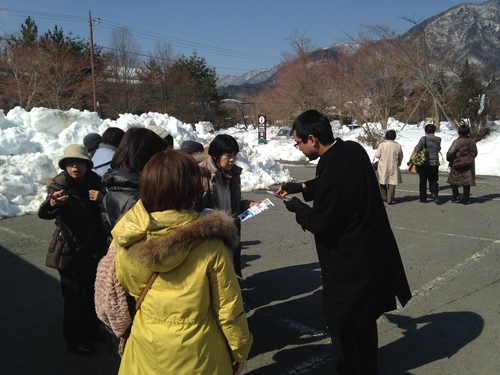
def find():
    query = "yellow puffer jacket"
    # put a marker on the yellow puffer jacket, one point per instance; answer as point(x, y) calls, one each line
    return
point(192, 320)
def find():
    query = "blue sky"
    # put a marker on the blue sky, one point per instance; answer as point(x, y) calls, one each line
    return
point(233, 36)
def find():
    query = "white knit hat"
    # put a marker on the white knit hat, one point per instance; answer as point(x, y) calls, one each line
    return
point(76, 151)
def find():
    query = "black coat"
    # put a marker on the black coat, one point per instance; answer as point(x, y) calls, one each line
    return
point(80, 214)
point(122, 193)
point(360, 262)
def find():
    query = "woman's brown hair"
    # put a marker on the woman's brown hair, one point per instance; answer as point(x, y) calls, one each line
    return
point(171, 180)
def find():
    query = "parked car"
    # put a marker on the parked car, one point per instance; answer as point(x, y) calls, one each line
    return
point(284, 132)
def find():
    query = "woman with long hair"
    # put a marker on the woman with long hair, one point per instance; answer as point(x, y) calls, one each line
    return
point(122, 180)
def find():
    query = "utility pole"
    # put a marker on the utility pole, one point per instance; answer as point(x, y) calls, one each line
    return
point(91, 22)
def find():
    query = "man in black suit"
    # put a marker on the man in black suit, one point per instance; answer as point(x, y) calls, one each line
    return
point(361, 267)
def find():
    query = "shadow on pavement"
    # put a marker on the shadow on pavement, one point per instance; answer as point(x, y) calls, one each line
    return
point(483, 198)
point(31, 325)
point(278, 300)
point(428, 339)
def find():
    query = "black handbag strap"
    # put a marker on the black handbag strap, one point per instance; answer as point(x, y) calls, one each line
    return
point(102, 165)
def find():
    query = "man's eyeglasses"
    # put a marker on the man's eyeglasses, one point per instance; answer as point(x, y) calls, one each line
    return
point(296, 145)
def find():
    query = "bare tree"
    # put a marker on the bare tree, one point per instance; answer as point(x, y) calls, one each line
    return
point(50, 71)
point(164, 55)
point(371, 81)
point(21, 81)
point(66, 82)
point(123, 62)
point(428, 68)
point(154, 85)
point(241, 108)
point(301, 82)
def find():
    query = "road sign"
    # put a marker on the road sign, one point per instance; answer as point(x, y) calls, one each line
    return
point(262, 129)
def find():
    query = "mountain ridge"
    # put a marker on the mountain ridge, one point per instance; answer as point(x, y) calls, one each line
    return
point(469, 30)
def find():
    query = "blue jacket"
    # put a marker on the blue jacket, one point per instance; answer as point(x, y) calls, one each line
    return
point(102, 160)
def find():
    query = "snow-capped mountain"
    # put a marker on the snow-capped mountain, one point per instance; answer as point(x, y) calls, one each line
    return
point(469, 30)
point(466, 30)
point(253, 77)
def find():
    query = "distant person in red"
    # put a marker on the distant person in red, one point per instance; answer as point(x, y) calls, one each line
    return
point(361, 268)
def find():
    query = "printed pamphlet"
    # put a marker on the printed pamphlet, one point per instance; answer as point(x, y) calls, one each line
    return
point(255, 210)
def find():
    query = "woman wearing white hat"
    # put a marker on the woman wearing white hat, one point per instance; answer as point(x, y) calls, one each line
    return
point(73, 200)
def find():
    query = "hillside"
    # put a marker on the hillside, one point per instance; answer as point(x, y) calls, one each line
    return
point(467, 30)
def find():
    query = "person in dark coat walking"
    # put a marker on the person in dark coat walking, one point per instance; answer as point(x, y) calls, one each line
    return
point(429, 171)
point(73, 200)
point(361, 267)
point(466, 175)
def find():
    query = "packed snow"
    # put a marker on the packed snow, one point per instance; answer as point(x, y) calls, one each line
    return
point(31, 143)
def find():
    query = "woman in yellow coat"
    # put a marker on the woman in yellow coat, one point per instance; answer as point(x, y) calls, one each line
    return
point(192, 319)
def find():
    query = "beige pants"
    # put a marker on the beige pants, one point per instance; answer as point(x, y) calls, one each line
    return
point(388, 192)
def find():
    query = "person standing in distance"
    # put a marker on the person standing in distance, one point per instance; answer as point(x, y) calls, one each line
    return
point(429, 171)
point(390, 154)
point(361, 267)
point(466, 175)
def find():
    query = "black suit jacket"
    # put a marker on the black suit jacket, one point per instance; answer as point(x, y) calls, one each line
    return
point(360, 262)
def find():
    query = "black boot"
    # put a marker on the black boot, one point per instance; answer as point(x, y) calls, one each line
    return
point(456, 195)
point(465, 199)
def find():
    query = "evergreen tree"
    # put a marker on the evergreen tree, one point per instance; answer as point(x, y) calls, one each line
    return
point(153, 87)
point(194, 95)
point(29, 35)
point(466, 98)
point(50, 71)
point(468, 101)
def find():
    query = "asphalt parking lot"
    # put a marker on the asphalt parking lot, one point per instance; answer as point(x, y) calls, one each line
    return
point(451, 325)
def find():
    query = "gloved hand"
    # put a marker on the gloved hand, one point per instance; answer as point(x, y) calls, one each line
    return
point(292, 187)
point(292, 204)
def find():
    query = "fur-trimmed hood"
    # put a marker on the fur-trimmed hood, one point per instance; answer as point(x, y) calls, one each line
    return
point(162, 240)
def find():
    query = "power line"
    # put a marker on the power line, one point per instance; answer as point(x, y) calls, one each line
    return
point(176, 42)
point(184, 43)
point(156, 57)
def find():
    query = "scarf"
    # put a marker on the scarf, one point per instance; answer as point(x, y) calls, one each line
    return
point(226, 175)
